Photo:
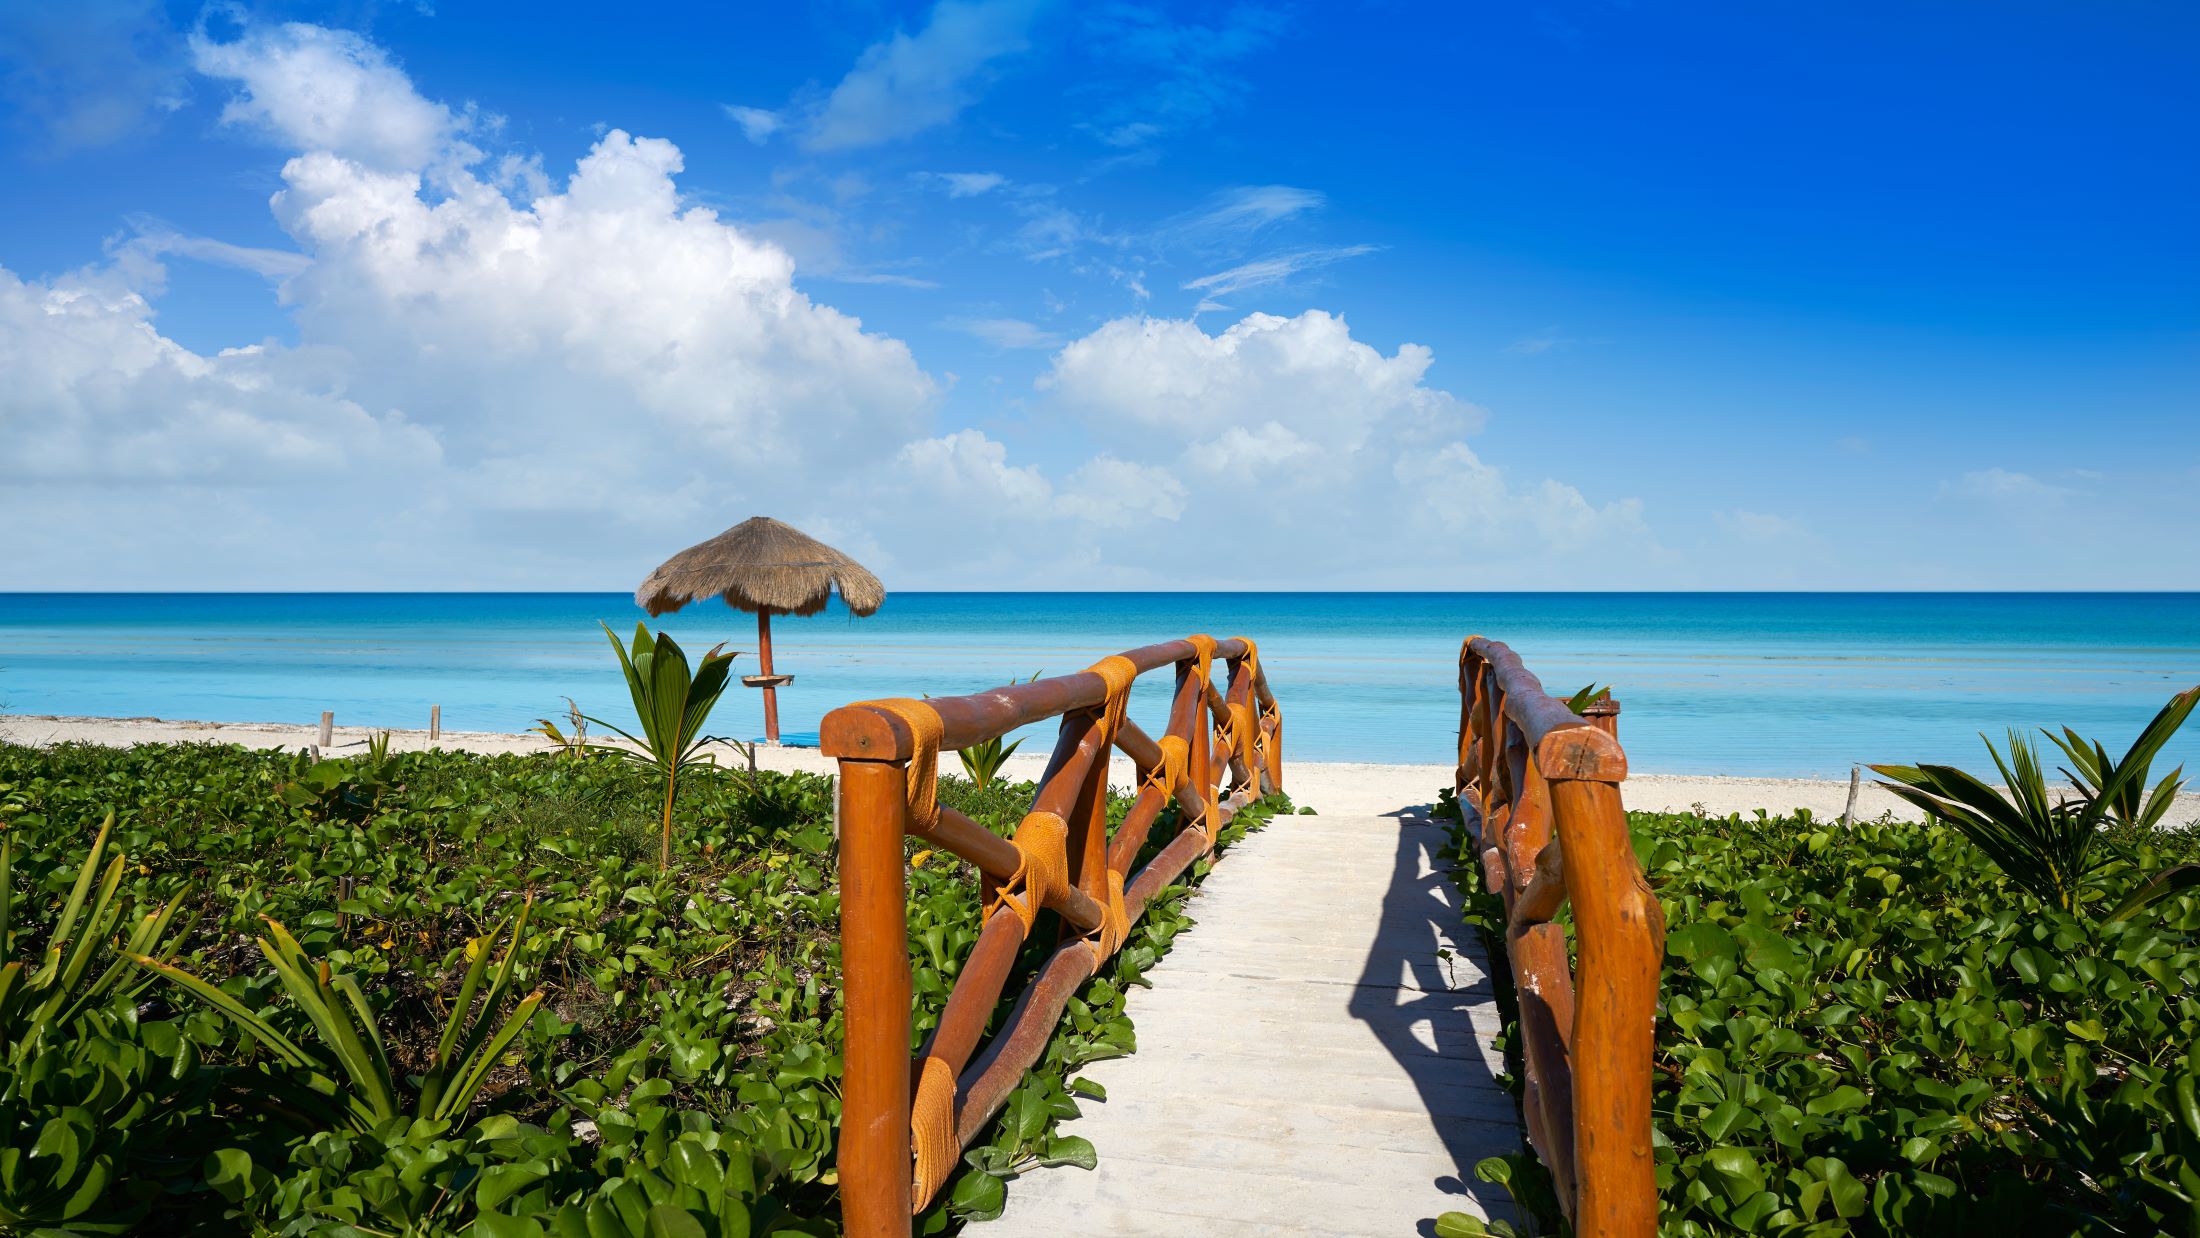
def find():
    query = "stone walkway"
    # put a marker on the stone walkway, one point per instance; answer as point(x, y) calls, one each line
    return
point(1313, 1057)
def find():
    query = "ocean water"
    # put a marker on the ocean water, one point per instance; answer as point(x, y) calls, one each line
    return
point(1771, 684)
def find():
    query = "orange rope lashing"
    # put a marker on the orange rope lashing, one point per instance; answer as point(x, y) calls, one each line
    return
point(1203, 647)
point(1115, 921)
point(1169, 773)
point(1118, 672)
point(924, 758)
point(932, 1127)
point(1042, 868)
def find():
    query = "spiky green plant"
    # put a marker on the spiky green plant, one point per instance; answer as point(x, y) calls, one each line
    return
point(63, 985)
point(1580, 701)
point(350, 1078)
point(672, 702)
point(2049, 845)
point(983, 760)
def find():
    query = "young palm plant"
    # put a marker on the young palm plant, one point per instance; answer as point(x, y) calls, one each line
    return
point(983, 760)
point(672, 703)
point(2053, 847)
point(350, 1078)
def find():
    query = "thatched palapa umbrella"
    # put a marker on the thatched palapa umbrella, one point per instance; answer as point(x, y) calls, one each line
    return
point(764, 566)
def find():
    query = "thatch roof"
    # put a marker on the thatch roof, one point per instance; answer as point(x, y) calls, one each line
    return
point(761, 565)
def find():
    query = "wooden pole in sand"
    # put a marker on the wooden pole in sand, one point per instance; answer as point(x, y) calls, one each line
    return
point(435, 723)
point(1856, 778)
point(328, 727)
point(764, 663)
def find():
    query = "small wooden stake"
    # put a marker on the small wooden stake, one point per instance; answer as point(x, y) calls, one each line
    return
point(435, 723)
point(328, 727)
point(1856, 778)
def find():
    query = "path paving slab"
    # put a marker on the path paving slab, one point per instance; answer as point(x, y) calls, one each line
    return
point(1313, 1057)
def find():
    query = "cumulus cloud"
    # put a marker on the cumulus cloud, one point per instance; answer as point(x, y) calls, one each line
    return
point(1354, 460)
point(310, 88)
point(95, 394)
point(1305, 374)
point(906, 84)
point(513, 376)
point(603, 349)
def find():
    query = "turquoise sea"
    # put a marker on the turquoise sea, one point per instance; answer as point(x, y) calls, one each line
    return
point(1769, 683)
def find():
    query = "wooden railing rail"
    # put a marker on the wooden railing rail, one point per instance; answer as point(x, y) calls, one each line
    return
point(904, 1122)
point(1539, 786)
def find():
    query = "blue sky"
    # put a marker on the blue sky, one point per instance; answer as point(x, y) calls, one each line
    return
point(1003, 293)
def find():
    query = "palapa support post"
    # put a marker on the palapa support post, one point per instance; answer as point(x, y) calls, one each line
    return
point(768, 568)
point(764, 664)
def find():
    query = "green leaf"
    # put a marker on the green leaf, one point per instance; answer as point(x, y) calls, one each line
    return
point(979, 1197)
point(1460, 1225)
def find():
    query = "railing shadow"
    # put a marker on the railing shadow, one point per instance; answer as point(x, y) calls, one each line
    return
point(1425, 994)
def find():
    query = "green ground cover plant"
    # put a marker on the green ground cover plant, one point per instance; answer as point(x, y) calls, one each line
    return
point(438, 993)
point(1876, 1030)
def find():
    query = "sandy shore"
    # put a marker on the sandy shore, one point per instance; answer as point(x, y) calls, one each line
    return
point(1332, 787)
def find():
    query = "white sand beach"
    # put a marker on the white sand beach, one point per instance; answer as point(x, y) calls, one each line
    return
point(1338, 787)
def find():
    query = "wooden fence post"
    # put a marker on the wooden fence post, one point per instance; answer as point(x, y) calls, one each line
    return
point(1620, 938)
point(875, 1159)
point(328, 727)
point(435, 723)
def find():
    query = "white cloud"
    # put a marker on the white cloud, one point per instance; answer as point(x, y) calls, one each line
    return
point(1274, 269)
point(309, 88)
point(969, 184)
point(506, 378)
point(1305, 374)
point(907, 84)
point(604, 351)
point(1235, 215)
point(1999, 485)
point(756, 123)
point(1758, 527)
point(1535, 345)
point(95, 394)
point(1005, 332)
point(1474, 505)
point(140, 255)
point(1116, 494)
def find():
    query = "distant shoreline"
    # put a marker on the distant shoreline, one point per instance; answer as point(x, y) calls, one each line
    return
point(1337, 787)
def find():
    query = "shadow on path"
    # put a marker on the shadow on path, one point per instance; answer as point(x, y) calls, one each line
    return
point(1421, 991)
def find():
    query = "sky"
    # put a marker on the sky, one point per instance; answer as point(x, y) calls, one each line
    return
point(1017, 294)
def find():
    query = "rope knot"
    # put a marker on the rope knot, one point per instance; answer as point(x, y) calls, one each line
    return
point(1042, 868)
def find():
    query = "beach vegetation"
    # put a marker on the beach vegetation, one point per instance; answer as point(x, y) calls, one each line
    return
point(381, 1063)
point(672, 701)
point(571, 739)
point(983, 760)
point(1861, 1032)
point(2055, 845)
point(1580, 701)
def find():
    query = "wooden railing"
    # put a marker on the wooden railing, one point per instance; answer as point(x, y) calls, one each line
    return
point(904, 1123)
point(1540, 789)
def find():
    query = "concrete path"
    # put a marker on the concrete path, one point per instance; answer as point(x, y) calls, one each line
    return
point(1309, 1060)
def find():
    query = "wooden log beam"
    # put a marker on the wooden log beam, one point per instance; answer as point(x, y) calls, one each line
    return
point(860, 732)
